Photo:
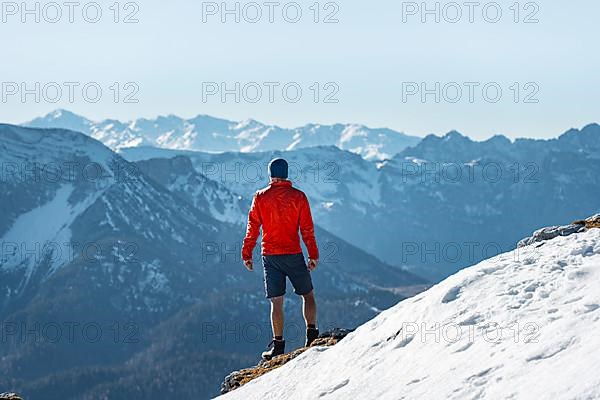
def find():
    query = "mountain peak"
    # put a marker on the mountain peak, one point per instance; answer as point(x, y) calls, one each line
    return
point(499, 139)
point(588, 138)
point(62, 119)
point(592, 127)
point(169, 117)
point(454, 135)
point(63, 114)
point(59, 113)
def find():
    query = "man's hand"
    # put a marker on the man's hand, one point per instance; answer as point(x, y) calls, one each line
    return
point(312, 264)
point(248, 265)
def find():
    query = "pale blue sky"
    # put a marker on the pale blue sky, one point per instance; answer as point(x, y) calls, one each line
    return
point(368, 54)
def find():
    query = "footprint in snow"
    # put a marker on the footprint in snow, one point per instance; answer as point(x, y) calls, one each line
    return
point(404, 342)
point(588, 308)
point(494, 269)
point(451, 295)
point(576, 275)
point(334, 388)
point(416, 380)
point(588, 251)
point(529, 261)
point(472, 320)
point(550, 352)
point(573, 300)
point(532, 287)
point(463, 348)
point(480, 374)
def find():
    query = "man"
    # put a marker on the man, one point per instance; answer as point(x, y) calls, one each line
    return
point(281, 210)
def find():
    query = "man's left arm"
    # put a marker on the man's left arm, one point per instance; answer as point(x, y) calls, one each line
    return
point(307, 230)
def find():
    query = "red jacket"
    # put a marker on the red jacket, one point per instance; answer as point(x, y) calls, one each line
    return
point(281, 210)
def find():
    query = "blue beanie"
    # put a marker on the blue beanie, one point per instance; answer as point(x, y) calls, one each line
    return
point(278, 168)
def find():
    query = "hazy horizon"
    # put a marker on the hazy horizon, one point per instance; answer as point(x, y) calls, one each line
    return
point(371, 58)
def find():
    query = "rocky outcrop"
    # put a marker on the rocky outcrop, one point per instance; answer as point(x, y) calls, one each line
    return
point(9, 396)
point(240, 378)
point(591, 222)
point(565, 230)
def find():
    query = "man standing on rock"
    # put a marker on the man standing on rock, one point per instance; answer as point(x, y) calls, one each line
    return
point(282, 210)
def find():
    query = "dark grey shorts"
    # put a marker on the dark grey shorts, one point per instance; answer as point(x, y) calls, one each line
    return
point(293, 266)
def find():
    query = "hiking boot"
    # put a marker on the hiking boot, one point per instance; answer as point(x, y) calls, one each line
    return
point(311, 335)
point(277, 348)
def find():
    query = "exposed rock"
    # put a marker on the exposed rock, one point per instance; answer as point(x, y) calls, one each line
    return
point(591, 222)
point(550, 233)
point(565, 230)
point(10, 396)
point(240, 378)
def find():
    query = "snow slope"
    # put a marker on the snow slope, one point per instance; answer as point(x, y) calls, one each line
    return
point(50, 238)
point(522, 325)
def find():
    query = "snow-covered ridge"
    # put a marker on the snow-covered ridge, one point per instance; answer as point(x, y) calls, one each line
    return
point(205, 133)
point(60, 190)
point(49, 178)
point(46, 146)
point(521, 325)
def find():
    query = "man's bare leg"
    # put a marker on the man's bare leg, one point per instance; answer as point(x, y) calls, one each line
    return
point(278, 344)
point(310, 309)
point(277, 316)
point(310, 317)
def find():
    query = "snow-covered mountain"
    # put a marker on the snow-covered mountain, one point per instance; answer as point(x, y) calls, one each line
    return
point(209, 196)
point(521, 325)
point(336, 181)
point(439, 206)
point(205, 133)
point(62, 192)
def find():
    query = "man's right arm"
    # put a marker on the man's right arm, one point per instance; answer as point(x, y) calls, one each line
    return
point(252, 230)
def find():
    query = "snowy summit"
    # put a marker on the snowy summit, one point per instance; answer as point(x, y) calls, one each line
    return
point(521, 325)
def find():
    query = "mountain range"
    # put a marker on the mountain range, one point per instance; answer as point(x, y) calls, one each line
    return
point(410, 202)
point(446, 203)
point(206, 133)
